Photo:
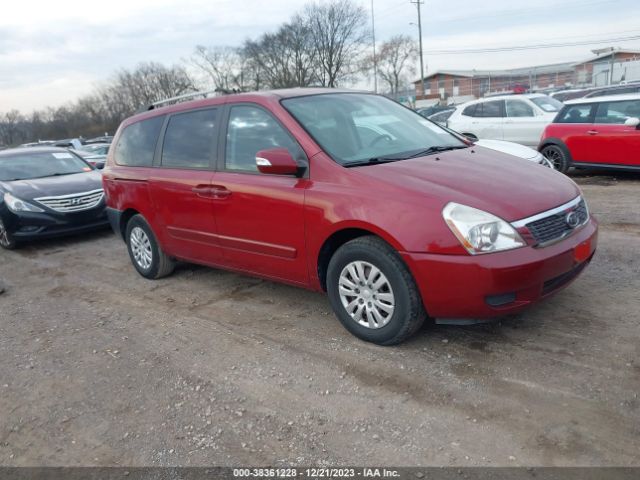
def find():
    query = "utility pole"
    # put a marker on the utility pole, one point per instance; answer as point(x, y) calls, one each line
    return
point(418, 3)
point(375, 59)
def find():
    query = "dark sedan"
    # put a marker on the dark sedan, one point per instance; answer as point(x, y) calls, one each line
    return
point(46, 192)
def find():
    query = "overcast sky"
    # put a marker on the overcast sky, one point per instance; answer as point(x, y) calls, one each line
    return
point(55, 51)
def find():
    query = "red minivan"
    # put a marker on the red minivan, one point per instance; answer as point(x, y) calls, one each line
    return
point(598, 132)
point(349, 193)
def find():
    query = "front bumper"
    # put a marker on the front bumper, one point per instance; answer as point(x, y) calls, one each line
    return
point(32, 225)
point(496, 284)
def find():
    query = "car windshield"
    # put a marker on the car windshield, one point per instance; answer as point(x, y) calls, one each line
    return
point(28, 165)
point(355, 128)
point(547, 104)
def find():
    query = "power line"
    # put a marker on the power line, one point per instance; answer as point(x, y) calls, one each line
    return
point(532, 47)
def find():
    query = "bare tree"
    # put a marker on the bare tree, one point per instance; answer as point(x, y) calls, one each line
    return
point(148, 83)
point(285, 58)
point(100, 112)
point(12, 128)
point(339, 32)
point(396, 58)
point(222, 65)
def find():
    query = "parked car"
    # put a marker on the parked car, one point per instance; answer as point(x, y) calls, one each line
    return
point(96, 148)
point(614, 90)
point(75, 143)
point(95, 154)
point(510, 148)
point(428, 111)
point(46, 192)
point(515, 118)
point(96, 161)
point(595, 132)
point(516, 150)
point(102, 139)
point(442, 116)
point(396, 223)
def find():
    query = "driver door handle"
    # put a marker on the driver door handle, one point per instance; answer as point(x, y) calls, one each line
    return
point(220, 191)
point(592, 132)
point(202, 190)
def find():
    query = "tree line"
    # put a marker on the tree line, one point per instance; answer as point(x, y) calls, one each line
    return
point(325, 44)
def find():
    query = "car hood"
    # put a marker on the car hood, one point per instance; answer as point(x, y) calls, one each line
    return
point(506, 186)
point(54, 186)
point(510, 148)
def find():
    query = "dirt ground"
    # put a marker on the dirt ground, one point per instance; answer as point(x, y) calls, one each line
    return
point(99, 366)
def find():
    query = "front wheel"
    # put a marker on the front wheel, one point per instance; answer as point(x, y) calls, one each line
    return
point(7, 241)
point(373, 293)
point(557, 156)
point(144, 250)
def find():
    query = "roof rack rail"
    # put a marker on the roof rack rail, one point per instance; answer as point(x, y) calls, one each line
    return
point(183, 98)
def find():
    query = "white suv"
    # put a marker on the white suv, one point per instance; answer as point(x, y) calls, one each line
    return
point(515, 118)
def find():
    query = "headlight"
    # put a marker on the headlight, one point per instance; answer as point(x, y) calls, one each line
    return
point(480, 232)
point(17, 205)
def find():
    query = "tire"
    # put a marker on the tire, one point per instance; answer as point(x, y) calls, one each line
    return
point(559, 157)
point(7, 241)
point(144, 251)
point(384, 325)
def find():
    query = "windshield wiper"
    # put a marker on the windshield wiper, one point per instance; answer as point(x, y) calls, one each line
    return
point(370, 161)
point(436, 149)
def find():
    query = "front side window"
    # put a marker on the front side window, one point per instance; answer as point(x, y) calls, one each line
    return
point(517, 108)
point(354, 127)
point(581, 113)
point(189, 140)
point(250, 130)
point(137, 143)
point(28, 165)
point(617, 112)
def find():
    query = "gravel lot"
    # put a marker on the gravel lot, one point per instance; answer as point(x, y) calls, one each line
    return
point(102, 367)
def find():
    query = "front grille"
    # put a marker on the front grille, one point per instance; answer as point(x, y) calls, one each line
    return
point(73, 203)
point(555, 226)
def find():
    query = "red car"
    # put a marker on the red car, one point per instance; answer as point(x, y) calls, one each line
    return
point(595, 132)
point(349, 193)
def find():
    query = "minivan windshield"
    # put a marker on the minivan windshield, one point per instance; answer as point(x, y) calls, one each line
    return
point(29, 165)
point(360, 128)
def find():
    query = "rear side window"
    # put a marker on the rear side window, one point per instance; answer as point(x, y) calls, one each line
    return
point(250, 130)
point(617, 112)
point(489, 109)
point(470, 111)
point(581, 113)
point(137, 143)
point(189, 140)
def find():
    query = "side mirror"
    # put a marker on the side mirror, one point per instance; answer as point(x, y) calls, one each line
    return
point(632, 122)
point(276, 161)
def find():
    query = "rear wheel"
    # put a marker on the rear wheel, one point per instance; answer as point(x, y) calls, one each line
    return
point(144, 250)
point(557, 156)
point(7, 241)
point(373, 293)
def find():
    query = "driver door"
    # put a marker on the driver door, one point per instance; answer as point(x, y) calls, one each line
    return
point(259, 217)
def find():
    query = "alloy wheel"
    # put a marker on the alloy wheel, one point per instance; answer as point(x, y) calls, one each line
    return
point(555, 156)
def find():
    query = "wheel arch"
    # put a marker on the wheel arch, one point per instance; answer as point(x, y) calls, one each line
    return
point(126, 215)
point(558, 142)
point(341, 236)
